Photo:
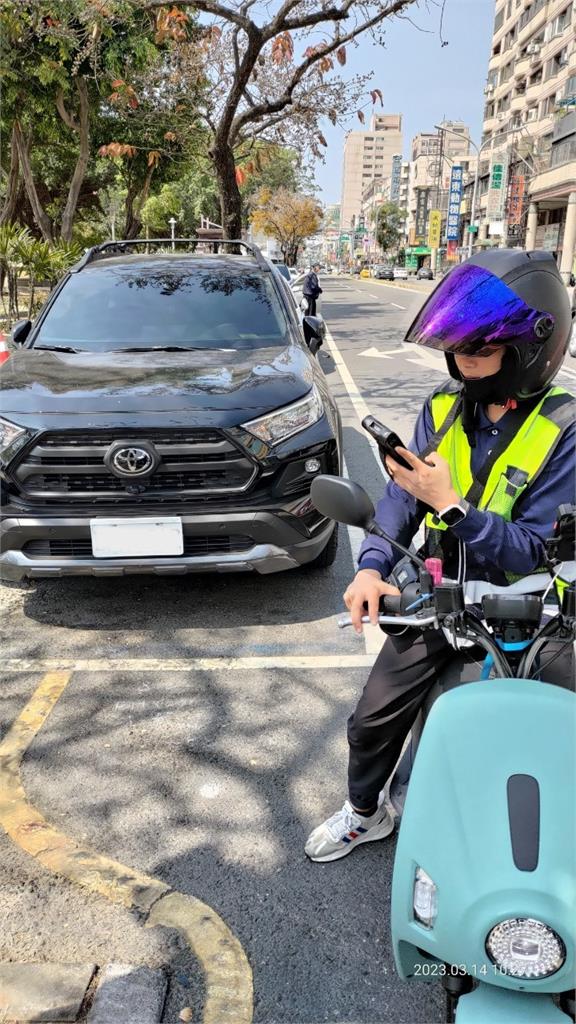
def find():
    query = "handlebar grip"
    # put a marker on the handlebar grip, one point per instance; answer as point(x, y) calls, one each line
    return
point(390, 603)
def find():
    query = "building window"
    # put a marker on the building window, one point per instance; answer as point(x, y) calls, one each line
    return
point(499, 21)
point(563, 152)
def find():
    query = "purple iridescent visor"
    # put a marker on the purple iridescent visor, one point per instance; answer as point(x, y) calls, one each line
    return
point(472, 308)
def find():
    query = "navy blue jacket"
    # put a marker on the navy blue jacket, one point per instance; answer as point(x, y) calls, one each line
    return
point(493, 546)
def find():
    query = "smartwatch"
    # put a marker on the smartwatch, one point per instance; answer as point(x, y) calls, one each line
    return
point(453, 514)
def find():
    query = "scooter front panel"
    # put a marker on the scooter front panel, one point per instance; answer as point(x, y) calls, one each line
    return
point(457, 827)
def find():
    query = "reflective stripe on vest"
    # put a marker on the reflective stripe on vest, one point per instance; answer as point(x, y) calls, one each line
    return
point(527, 452)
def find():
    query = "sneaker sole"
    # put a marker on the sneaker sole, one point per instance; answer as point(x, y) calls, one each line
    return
point(380, 832)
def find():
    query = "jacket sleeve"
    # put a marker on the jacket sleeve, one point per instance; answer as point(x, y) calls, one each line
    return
point(397, 512)
point(518, 546)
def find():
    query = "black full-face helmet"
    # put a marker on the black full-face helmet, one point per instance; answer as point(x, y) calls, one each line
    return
point(501, 297)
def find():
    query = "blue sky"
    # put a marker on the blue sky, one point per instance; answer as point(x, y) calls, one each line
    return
point(419, 78)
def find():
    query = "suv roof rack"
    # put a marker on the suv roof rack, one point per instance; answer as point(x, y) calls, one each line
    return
point(121, 246)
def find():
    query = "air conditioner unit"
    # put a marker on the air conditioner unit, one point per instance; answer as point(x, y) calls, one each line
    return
point(489, 89)
point(533, 48)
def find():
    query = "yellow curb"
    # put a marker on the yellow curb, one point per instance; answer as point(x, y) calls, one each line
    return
point(228, 974)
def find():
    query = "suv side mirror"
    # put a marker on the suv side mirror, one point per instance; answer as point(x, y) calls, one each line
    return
point(20, 332)
point(314, 332)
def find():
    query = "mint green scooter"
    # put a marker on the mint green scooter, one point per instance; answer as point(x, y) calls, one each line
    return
point(484, 886)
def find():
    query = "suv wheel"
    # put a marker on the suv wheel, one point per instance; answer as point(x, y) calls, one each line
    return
point(327, 557)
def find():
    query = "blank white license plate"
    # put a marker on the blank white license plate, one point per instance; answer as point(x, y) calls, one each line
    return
point(117, 538)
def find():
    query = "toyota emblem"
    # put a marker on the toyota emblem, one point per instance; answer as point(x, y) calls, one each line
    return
point(132, 461)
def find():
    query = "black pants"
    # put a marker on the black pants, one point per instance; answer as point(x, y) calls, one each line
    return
point(311, 300)
point(405, 669)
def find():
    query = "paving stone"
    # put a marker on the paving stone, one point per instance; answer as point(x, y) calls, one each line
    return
point(133, 995)
point(43, 992)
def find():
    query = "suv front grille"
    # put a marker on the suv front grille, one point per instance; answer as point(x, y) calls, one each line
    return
point(81, 547)
point(195, 462)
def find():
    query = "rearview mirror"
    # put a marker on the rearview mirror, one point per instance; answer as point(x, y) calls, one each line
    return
point(342, 500)
point(20, 332)
point(314, 332)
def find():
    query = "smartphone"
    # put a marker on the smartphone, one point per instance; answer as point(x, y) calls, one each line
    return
point(386, 440)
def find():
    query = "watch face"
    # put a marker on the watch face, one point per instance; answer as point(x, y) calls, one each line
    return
point(452, 516)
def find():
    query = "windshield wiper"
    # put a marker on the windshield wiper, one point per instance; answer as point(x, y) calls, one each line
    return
point(57, 348)
point(158, 348)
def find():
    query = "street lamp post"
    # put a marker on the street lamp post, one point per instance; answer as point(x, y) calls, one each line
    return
point(172, 223)
point(488, 142)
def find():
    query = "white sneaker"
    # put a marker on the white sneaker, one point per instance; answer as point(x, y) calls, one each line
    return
point(345, 830)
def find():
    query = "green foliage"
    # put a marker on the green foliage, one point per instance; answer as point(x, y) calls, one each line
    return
point(389, 220)
point(42, 263)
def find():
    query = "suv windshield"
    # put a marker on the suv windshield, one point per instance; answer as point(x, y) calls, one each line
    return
point(156, 306)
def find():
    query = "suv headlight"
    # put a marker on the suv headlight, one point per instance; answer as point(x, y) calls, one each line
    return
point(282, 424)
point(525, 948)
point(12, 438)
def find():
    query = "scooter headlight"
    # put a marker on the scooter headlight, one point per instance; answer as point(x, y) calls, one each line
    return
point(425, 902)
point(525, 948)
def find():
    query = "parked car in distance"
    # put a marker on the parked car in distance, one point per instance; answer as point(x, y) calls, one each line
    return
point(166, 414)
point(384, 273)
point(365, 272)
point(400, 274)
point(425, 274)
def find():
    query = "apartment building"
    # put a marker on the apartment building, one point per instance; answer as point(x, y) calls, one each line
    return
point(432, 157)
point(368, 155)
point(530, 130)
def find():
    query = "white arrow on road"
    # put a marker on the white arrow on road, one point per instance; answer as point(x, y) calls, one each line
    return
point(375, 353)
point(418, 356)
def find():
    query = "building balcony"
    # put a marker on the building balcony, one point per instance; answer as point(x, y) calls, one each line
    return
point(490, 123)
point(517, 103)
point(532, 94)
point(522, 66)
point(537, 21)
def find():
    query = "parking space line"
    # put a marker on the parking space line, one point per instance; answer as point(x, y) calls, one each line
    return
point(354, 395)
point(285, 661)
point(228, 975)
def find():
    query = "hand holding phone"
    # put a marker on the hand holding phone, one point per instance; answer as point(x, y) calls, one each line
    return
point(388, 442)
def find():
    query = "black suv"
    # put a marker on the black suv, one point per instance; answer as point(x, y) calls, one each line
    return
point(165, 414)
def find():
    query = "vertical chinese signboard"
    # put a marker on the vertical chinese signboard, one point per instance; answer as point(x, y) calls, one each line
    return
point(395, 178)
point(497, 188)
point(422, 197)
point(434, 227)
point(454, 201)
point(517, 203)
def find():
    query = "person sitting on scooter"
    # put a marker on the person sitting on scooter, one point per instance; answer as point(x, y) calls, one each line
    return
point(492, 458)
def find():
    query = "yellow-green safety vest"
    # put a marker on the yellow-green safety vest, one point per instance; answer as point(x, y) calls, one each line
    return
point(528, 452)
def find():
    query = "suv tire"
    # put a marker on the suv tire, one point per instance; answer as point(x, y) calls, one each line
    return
point(327, 556)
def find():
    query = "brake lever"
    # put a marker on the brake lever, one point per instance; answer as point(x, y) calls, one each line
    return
point(394, 620)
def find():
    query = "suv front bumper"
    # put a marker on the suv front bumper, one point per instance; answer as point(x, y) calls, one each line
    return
point(270, 543)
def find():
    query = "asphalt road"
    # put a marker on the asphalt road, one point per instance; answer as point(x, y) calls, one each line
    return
point(210, 778)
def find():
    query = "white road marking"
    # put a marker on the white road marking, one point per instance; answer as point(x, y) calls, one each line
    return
point(568, 371)
point(161, 665)
point(375, 353)
point(373, 635)
point(354, 395)
point(396, 304)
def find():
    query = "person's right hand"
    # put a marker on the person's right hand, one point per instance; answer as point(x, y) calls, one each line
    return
point(367, 586)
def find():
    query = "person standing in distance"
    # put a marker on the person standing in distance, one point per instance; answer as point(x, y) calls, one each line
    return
point(311, 289)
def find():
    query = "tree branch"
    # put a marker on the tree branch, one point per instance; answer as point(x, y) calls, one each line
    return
point(69, 120)
point(262, 109)
point(209, 7)
point(40, 216)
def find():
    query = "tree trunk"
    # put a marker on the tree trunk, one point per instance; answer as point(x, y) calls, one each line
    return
point(134, 202)
point(230, 198)
point(40, 216)
point(81, 126)
point(8, 213)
